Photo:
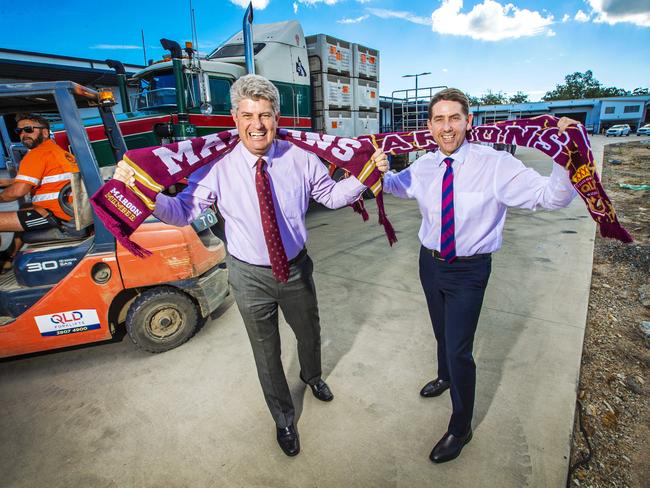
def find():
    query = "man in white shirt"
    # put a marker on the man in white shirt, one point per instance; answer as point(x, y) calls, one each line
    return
point(263, 187)
point(463, 191)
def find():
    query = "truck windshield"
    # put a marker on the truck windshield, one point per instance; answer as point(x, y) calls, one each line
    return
point(158, 91)
point(234, 50)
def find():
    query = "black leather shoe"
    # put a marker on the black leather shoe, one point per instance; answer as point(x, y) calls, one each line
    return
point(434, 388)
point(322, 391)
point(449, 447)
point(289, 441)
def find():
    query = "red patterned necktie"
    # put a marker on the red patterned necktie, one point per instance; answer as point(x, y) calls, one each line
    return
point(447, 237)
point(277, 254)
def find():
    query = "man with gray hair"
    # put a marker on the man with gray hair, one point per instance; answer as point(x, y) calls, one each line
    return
point(262, 188)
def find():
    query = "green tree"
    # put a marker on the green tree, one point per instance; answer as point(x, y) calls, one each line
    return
point(519, 97)
point(473, 100)
point(582, 85)
point(491, 98)
point(640, 91)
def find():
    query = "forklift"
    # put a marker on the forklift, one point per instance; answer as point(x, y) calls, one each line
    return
point(75, 284)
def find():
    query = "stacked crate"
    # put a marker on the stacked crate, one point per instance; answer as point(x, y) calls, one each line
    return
point(330, 66)
point(345, 86)
point(365, 88)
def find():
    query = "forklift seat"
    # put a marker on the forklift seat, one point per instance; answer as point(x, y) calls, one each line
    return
point(80, 210)
point(66, 232)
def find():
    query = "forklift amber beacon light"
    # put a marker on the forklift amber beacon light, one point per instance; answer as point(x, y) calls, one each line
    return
point(106, 97)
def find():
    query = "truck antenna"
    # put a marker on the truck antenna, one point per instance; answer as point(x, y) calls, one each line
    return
point(195, 39)
point(205, 106)
point(144, 48)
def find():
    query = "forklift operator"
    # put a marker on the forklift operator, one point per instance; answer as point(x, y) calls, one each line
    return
point(43, 172)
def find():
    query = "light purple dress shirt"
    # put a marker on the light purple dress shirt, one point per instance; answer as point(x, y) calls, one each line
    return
point(486, 183)
point(295, 174)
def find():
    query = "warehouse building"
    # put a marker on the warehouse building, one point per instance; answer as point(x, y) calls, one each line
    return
point(597, 114)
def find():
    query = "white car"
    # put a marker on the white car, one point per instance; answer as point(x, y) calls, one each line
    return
point(618, 130)
point(643, 131)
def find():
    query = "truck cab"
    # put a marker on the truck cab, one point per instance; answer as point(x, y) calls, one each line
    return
point(280, 55)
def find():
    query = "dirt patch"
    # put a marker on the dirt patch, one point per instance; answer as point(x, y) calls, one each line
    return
point(614, 394)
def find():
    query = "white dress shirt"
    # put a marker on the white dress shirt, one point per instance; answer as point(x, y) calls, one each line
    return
point(296, 176)
point(486, 183)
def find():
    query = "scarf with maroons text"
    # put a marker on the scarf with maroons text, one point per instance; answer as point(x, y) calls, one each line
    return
point(123, 208)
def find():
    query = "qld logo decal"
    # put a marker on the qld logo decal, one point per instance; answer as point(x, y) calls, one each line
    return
point(69, 322)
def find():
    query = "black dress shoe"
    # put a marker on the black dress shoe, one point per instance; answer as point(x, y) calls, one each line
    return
point(322, 391)
point(449, 447)
point(434, 388)
point(289, 441)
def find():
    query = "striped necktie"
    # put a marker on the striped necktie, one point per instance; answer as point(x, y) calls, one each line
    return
point(447, 232)
point(277, 254)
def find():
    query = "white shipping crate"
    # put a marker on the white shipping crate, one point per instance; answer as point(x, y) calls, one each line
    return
point(334, 122)
point(365, 62)
point(365, 123)
point(331, 92)
point(365, 95)
point(329, 55)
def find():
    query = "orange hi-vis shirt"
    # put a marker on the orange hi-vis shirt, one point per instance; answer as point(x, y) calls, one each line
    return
point(48, 169)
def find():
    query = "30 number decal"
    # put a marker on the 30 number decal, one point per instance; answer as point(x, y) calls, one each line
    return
point(43, 266)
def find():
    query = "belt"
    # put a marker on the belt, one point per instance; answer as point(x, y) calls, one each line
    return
point(298, 257)
point(436, 255)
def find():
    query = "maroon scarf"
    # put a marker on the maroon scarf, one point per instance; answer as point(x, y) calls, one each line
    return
point(123, 209)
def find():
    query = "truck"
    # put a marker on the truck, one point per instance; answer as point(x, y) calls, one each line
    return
point(187, 95)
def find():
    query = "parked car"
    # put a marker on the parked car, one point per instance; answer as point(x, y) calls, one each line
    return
point(643, 131)
point(618, 130)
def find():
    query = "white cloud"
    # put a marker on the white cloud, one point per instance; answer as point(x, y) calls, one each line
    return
point(489, 21)
point(445, 70)
point(615, 11)
point(550, 33)
point(364, 1)
point(257, 4)
point(566, 18)
point(398, 14)
point(115, 46)
point(581, 16)
point(314, 2)
point(353, 21)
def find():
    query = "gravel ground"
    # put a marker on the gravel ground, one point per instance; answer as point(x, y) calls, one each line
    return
point(611, 438)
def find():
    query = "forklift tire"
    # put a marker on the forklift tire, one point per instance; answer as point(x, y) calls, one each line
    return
point(161, 319)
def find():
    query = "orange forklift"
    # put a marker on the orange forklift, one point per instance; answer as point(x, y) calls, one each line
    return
point(75, 285)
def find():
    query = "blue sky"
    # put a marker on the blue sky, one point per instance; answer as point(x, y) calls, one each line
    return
point(474, 45)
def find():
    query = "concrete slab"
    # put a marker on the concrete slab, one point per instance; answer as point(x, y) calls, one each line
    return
point(111, 416)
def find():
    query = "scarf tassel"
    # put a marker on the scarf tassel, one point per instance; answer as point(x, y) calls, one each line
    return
point(120, 231)
point(360, 208)
point(383, 219)
point(616, 231)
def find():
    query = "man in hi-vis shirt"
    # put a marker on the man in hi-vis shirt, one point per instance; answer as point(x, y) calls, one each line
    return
point(43, 172)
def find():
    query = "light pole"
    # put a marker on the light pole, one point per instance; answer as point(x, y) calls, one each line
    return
point(417, 119)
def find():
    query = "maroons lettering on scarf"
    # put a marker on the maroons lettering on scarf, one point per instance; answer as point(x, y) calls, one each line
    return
point(160, 167)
